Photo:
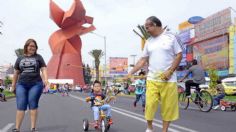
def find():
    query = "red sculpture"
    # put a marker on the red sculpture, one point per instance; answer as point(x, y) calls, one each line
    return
point(65, 43)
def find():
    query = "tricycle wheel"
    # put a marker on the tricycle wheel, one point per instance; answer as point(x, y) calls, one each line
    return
point(85, 124)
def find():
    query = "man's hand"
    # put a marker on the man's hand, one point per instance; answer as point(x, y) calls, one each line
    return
point(13, 89)
point(166, 75)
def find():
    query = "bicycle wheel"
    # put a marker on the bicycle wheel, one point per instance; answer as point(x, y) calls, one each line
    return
point(206, 101)
point(183, 100)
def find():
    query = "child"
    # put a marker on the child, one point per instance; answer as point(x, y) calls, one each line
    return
point(220, 95)
point(2, 95)
point(97, 99)
point(140, 89)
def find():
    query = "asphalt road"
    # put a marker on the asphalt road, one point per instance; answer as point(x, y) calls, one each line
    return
point(66, 114)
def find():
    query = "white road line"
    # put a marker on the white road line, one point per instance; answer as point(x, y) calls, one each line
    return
point(159, 121)
point(7, 127)
point(128, 113)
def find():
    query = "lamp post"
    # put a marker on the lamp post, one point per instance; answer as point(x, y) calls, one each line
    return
point(132, 65)
point(105, 60)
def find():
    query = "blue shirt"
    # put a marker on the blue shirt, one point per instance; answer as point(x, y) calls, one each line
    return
point(140, 86)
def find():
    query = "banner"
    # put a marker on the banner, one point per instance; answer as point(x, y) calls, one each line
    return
point(185, 26)
point(212, 53)
point(213, 25)
point(232, 50)
point(118, 65)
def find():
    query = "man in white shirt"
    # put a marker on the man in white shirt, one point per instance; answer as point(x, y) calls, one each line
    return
point(163, 53)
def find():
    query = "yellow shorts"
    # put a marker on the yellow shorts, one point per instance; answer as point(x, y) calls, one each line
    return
point(164, 93)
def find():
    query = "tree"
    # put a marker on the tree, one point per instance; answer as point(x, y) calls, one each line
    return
point(87, 74)
point(7, 81)
point(96, 54)
point(1, 23)
point(144, 34)
point(19, 52)
point(213, 80)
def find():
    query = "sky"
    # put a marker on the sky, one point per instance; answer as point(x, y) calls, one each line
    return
point(115, 19)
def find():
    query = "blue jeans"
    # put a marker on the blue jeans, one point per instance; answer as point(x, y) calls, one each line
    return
point(142, 96)
point(28, 94)
point(105, 107)
point(217, 98)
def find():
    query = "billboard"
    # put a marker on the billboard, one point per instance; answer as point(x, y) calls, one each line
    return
point(232, 50)
point(212, 53)
point(213, 25)
point(185, 25)
point(118, 65)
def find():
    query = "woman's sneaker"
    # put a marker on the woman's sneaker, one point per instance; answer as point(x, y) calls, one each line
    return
point(15, 130)
point(149, 130)
point(34, 130)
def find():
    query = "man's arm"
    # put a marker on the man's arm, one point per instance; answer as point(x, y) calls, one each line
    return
point(141, 62)
point(167, 74)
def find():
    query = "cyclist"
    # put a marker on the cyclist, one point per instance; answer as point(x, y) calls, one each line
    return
point(198, 77)
point(96, 98)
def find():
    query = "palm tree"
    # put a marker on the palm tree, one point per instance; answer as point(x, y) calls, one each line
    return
point(19, 52)
point(97, 54)
point(145, 35)
point(1, 23)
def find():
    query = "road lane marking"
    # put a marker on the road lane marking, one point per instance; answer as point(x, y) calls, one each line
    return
point(159, 121)
point(141, 117)
point(7, 127)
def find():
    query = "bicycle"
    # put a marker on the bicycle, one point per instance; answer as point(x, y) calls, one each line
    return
point(202, 99)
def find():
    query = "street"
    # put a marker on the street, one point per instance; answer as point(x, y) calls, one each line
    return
point(66, 114)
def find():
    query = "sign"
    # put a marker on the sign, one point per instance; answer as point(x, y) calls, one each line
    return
point(185, 26)
point(212, 53)
point(214, 25)
point(232, 49)
point(118, 65)
point(195, 19)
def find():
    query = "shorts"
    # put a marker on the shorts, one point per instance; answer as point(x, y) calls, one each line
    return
point(28, 94)
point(164, 93)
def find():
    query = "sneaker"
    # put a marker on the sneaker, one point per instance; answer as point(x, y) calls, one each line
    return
point(188, 96)
point(134, 104)
point(34, 130)
point(215, 107)
point(149, 130)
point(15, 130)
point(110, 121)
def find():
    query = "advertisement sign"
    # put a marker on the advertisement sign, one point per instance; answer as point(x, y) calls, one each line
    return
point(185, 25)
point(232, 50)
point(118, 65)
point(213, 25)
point(212, 53)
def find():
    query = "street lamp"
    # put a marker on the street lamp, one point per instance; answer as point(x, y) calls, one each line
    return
point(132, 65)
point(104, 38)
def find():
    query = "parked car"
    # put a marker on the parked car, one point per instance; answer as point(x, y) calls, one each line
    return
point(229, 85)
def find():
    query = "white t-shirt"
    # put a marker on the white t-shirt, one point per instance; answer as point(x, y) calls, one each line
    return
point(161, 51)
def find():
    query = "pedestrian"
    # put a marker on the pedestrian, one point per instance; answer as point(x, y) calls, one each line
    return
point(140, 89)
point(163, 53)
point(198, 77)
point(27, 83)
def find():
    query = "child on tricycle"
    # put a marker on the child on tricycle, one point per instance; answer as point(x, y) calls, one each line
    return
point(99, 104)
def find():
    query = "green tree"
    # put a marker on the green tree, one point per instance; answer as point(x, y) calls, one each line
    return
point(87, 74)
point(1, 23)
point(96, 54)
point(19, 52)
point(212, 72)
point(8, 81)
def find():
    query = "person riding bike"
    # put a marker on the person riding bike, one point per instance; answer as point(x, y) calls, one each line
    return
point(97, 98)
point(198, 77)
